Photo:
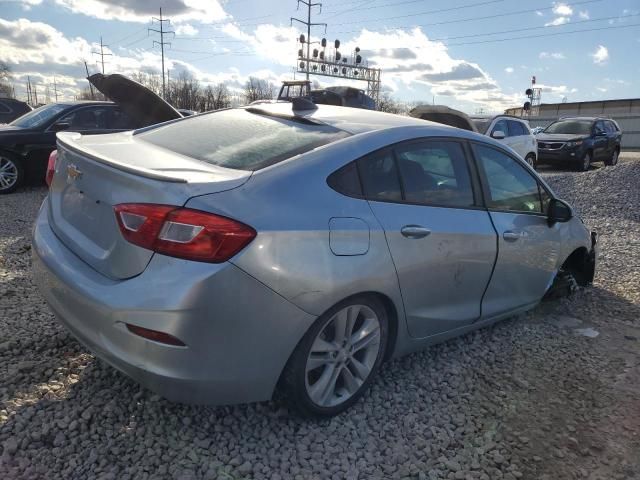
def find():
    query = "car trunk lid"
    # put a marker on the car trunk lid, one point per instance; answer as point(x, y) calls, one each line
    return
point(95, 173)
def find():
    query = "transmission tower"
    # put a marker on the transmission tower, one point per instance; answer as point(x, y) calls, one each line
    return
point(308, 23)
point(101, 53)
point(162, 43)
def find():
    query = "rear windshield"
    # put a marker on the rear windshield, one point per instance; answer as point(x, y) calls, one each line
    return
point(240, 139)
point(580, 127)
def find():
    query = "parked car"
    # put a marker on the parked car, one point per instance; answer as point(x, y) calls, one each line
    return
point(579, 141)
point(222, 256)
point(537, 130)
point(511, 131)
point(11, 108)
point(25, 144)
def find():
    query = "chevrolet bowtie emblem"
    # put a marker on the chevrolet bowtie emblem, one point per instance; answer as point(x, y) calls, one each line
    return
point(72, 172)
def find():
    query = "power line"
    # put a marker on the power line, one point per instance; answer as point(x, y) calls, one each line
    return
point(555, 34)
point(533, 28)
point(162, 43)
point(462, 20)
point(101, 53)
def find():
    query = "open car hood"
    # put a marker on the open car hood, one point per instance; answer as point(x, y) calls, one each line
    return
point(445, 115)
point(140, 103)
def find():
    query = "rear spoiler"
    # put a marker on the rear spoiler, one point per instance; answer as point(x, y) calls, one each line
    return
point(69, 141)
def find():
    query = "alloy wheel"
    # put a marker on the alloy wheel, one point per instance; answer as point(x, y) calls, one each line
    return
point(342, 355)
point(586, 162)
point(8, 173)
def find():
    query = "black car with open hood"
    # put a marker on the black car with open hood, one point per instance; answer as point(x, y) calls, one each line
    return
point(25, 143)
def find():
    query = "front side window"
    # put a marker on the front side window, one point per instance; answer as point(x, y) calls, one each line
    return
point(86, 119)
point(379, 176)
point(599, 128)
point(435, 173)
point(501, 126)
point(241, 139)
point(510, 186)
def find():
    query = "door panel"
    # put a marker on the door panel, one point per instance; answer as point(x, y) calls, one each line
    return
point(528, 252)
point(528, 248)
point(444, 273)
point(443, 248)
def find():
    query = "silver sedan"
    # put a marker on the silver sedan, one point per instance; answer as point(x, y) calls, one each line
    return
point(286, 247)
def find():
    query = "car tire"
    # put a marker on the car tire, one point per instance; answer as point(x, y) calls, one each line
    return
point(613, 160)
point(531, 160)
point(11, 173)
point(329, 371)
point(585, 162)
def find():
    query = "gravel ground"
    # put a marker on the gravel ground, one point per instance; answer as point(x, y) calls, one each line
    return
point(535, 397)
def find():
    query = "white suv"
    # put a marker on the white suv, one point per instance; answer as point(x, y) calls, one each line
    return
point(511, 131)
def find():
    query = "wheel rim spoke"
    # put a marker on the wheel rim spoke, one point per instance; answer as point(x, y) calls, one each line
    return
point(325, 386)
point(351, 383)
point(360, 370)
point(366, 335)
point(344, 322)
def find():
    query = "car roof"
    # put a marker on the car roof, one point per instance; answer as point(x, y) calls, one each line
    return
point(352, 120)
point(590, 119)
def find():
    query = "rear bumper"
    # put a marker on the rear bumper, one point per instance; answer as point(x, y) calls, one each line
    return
point(238, 333)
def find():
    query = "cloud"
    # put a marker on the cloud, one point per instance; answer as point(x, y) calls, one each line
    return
point(557, 21)
point(461, 71)
point(601, 89)
point(584, 15)
point(509, 69)
point(552, 55)
point(539, 13)
point(601, 55)
point(562, 9)
point(142, 10)
point(186, 29)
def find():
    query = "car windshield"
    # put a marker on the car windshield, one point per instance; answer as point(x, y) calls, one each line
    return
point(241, 139)
point(39, 116)
point(481, 124)
point(576, 127)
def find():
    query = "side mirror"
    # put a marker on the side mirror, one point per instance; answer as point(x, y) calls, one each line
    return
point(558, 211)
point(498, 135)
point(60, 126)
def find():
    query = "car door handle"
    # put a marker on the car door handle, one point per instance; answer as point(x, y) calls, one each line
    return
point(511, 236)
point(414, 231)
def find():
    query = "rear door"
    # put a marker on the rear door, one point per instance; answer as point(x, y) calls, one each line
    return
point(527, 247)
point(518, 137)
point(601, 141)
point(442, 242)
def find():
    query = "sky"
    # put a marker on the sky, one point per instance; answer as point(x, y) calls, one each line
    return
point(473, 55)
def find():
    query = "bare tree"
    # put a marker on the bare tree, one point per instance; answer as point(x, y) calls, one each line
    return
point(258, 89)
point(386, 103)
point(6, 90)
point(215, 97)
point(185, 92)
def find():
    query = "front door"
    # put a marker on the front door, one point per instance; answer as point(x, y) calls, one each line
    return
point(528, 247)
point(442, 242)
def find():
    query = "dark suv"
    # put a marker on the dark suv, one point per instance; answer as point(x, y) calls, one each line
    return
point(579, 141)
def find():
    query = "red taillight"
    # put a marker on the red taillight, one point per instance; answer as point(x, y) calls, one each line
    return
point(155, 335)
point(183, 232)
point(51, 167)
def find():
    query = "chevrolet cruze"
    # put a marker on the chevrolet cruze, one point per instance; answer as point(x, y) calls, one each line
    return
point(291, 247)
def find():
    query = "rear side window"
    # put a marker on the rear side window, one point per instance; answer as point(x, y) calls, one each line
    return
point(379, 175)
point(611, 127)
point(516, 129)
point(240, 139)
point(4, 108)
point(346, 180)
point(435, 173)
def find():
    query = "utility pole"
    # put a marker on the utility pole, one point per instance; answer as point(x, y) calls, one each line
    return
point(162, 43)
point(55, 88)
point(308, 23)
point(101, 53)
point(93, 96)
point(30, 101)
